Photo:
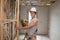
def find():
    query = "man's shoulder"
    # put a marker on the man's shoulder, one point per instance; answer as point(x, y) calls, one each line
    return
point(35, 19)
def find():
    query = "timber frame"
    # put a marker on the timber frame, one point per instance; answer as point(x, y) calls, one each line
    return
point(9, 13)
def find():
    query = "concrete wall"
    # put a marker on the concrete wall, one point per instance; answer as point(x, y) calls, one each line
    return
point(43, 20)
point(55, 21)
point(42, 16)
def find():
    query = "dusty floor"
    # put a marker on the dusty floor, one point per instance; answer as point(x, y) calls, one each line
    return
point(39, 37)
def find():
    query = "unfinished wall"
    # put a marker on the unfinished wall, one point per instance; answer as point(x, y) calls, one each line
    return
point(42, 16)
point(43, 20)
point(55, 21)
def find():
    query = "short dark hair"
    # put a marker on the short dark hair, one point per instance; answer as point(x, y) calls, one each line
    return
point(35, 12)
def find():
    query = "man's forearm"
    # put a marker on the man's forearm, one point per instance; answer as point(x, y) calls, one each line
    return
point(25, 27)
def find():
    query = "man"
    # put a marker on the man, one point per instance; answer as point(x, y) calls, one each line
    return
point(32, 26)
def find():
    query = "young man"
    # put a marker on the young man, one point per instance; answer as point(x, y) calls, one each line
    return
point(32, 26)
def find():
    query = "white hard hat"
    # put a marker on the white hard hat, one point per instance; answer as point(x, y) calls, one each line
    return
point(33, 9)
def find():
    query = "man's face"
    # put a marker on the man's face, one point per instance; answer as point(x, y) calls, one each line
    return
point(32, 13)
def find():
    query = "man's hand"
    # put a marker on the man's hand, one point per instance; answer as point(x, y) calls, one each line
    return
point(19, 27)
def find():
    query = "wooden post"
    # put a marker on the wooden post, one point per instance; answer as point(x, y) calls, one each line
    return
point(1, 19)
point(30, 2)
point(24, 1)
point(17, 18)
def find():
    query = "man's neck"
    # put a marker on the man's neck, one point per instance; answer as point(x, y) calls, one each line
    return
point(34, 17)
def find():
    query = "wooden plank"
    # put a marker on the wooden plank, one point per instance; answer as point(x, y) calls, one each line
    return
point(30, 2)
point(24, 1)
point(18, 3)
point(1, 19)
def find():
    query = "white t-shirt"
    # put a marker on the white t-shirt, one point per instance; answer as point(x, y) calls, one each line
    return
point(32, 30)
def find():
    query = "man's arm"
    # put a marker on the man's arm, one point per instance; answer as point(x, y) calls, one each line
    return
point(32, 24)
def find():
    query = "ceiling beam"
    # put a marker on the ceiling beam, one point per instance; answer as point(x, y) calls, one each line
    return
point(39, 3)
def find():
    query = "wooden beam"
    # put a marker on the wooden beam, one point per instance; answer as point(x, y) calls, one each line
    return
point(30, 2)
point(24, 1)
point(17, 18)
point(1, 18)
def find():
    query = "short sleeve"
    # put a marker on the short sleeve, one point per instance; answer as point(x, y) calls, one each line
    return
point(35, 19)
